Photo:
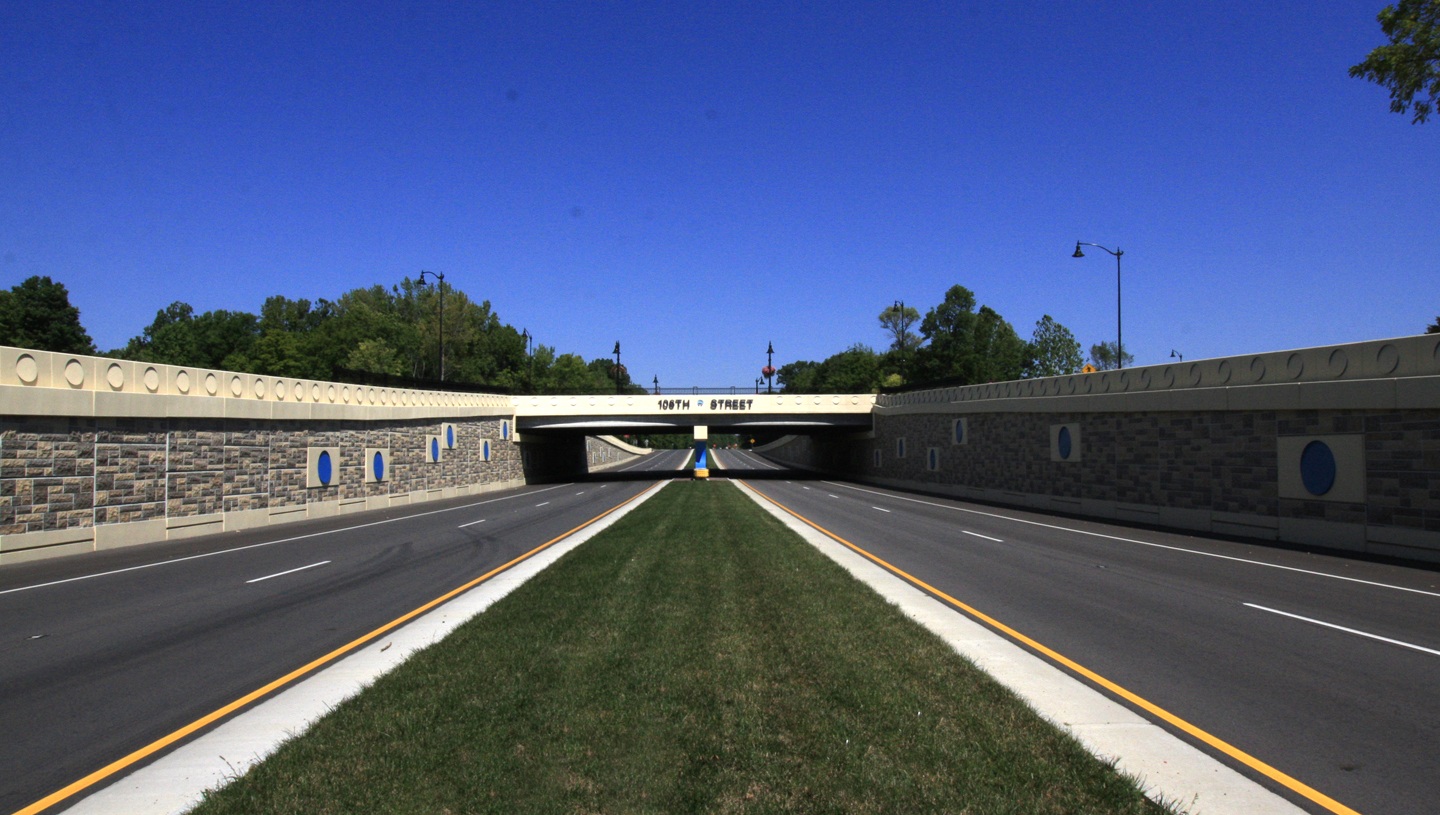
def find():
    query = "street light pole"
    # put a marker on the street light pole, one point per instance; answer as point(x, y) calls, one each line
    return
point(1119, 336)
point(440, 286)
point(526, 338)
point(657, 385)
point(900, 317)
point(617, 366)
point(769, 367)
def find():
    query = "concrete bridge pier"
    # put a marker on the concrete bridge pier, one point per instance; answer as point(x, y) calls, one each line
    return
point(702, 436)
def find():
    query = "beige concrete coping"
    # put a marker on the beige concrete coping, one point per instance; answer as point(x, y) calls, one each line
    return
point(1403, 372)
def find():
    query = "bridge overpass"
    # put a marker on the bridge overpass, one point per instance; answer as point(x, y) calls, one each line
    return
point(634, 413)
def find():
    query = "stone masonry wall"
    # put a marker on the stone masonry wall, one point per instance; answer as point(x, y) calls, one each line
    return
point(1217, 471)
point(88, 474)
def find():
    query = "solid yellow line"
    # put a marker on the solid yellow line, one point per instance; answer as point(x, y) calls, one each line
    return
point(1224, 747)
point(165, 741)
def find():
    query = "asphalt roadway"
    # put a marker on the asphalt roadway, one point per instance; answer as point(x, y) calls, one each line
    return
point(1324, 667)
point(100, 655)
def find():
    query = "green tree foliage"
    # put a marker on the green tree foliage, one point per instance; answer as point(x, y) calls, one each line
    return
point(1410, 64)
point(37, 314)
point(969, 345)
point(854, 370)
point(897, 321)
point(1102, 356)
point(1053, 350)
point(177, 336)
point(1433, 329)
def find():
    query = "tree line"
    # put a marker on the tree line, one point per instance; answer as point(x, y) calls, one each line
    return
point(376, 331)
point(955, 343)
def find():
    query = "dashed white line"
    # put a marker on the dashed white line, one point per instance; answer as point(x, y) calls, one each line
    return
point(833, 495)
point(542, 503)
point(291, 571)
point(1140, 542)
point(882, 510)
point(1346, 630)
point(978, 535)
point(472, 523)
point(282, 540)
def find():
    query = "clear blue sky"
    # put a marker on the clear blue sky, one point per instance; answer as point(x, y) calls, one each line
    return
point(698, 179)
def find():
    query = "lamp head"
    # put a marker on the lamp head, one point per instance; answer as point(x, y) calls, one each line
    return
point(1078, 253)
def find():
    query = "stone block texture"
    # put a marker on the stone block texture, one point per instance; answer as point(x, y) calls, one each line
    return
point(63, 473)
point(1221, 461)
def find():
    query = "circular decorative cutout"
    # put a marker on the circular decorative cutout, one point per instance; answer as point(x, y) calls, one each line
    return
point(1387, 359)
point(236, 386)
point(344, 395)
point(1317, 468)
point(27, 369)
point(554, 401)
point(1337, 363)
point(1257, 369)
point(329, 393)
point(323, 468)
point(1063, 442)
point(377, 466)
point(817, 400)
point(212, 384)
point(834, 400)
point(182, 381)
point(1167, 377)
point(610, 400)
point(299, 391)
point(384, 396)
point(75, 373)
point(854, 400)
point(1224, 371)
point(259, 388)
point(115, 376)
point(592, 401)
point(629, 400)
point(1192, 375)
point(151, 378)
point(280, 390)
point(1294, 366)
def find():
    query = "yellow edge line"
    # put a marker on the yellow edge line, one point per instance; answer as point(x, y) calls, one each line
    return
point(1223, 746)
point(165, 741)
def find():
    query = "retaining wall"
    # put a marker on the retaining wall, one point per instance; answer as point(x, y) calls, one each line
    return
point(1336, 446)
point(98, 453)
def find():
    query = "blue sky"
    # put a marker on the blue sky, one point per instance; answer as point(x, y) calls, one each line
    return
point(698, 179)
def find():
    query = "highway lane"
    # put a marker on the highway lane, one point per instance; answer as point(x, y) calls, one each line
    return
point(1196, 625)
point(102, 654)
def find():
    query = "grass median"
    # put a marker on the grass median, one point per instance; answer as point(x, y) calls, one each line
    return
point(695, 657)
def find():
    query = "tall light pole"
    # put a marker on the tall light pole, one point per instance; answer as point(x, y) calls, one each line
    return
point(440, 285)
point(1119, 337)
point(657, 385)
point(900, 316)
point(617, 366)
point(769, 367)
point(526, 339)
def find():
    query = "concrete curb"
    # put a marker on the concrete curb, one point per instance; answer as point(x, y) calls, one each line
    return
point(176, 782)
point(1167, 767)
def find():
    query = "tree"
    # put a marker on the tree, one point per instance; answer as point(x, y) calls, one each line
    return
point(1053, 350)
point(216, 339)
point(1410, 64)
point(968, 345)
point(37, 314)
point(1102, 356)
point(1433, 329)
point(897, 321)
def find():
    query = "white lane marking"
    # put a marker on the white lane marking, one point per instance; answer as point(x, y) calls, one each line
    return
point(582, 492)
point(833, 495)
point(472, 523)
point(802, 486)
point(1142, 543)
point(978, 535)
point(1346, 630)
point(292, 571)
point(282, 540)
point(882, 510)
point(542, 504)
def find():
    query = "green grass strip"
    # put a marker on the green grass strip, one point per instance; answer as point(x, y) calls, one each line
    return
point(695, 657)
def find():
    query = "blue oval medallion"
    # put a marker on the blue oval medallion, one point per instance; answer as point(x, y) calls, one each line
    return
point(504, 430)
point(323, 469)
point(487, 451)
point(1063, 442)
point(434, 449)
point(378, 464)
point(1317, 468)
point(450, 437)
point(959, 432)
